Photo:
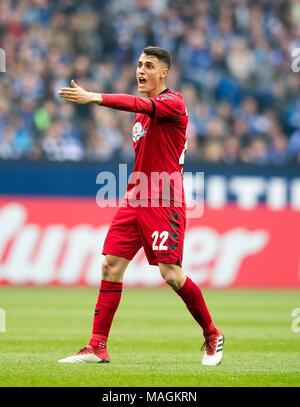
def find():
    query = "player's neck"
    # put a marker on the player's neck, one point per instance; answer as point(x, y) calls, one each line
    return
point(157, 91)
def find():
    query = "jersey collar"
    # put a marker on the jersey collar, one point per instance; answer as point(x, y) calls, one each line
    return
point(164, 91)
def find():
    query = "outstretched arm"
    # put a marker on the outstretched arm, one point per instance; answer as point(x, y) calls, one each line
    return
point(128, 103)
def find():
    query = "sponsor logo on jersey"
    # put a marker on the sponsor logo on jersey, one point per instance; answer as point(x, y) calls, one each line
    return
point(138, 132)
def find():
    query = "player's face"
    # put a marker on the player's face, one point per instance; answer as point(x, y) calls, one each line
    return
point(150, 74)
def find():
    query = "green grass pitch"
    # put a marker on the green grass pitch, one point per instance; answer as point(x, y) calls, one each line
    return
point(153, 340)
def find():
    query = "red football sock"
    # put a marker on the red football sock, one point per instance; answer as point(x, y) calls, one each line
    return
point(193, 299)
point(107, 304)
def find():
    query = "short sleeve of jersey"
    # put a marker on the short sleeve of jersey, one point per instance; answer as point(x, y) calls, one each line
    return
point(169, 105)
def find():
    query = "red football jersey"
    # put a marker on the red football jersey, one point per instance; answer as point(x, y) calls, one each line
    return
point(159, 142)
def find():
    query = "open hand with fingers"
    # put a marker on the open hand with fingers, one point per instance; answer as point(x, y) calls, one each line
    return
point(76, 94)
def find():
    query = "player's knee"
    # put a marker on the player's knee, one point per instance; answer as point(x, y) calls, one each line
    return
point(171, 281)
point(172, 278)
point(173, 275)
point(110, 270)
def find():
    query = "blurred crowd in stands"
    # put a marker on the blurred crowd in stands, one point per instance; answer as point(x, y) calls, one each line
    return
point(231, 61)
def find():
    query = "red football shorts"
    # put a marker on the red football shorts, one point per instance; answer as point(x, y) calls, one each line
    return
point(159, 230)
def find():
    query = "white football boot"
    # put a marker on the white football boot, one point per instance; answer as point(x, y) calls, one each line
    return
point(88, 354)
point(213, 349)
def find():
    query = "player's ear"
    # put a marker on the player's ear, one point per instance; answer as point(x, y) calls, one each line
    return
point(164, 72)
